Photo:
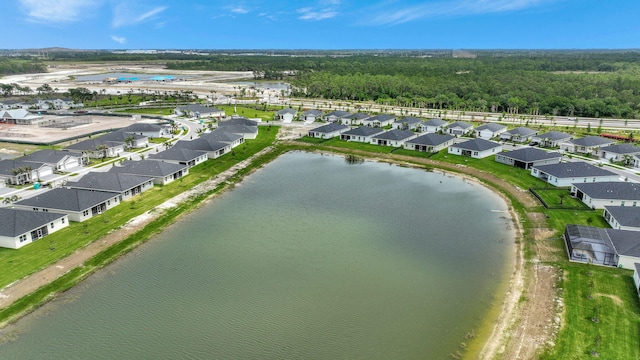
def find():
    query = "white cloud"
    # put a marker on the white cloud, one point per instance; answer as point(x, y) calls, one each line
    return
point(123, 15)
point(239, 10)
point(119, 39)
point(62, 11)
point(316, 15)
point(451, 8)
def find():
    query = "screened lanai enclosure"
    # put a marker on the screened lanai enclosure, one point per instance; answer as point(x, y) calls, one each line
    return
point(589, 244)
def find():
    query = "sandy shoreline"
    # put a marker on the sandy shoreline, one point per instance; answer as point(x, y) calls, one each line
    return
point(515, 335)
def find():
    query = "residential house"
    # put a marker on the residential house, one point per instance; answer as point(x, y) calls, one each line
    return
point(125, 185)
point(97, 148)
point(328, 131)
point(78, 204)
point(211, 147)
point(551, 139)
point(587, 145)
point(433, 125)
point(431, 142)
point(610, 247)
point(21, 227)
point(459, 128)
point(607, 193)
point(161, 172)
point(636, 277)
point(21, 172)
point(380, 120)
point(130, 140)
point(247, 132)
point(489, 131)
point(151, 131)
point(528, 157)
point(311, 116)
point(565, 174)
point(221, 135)
point(63, 161)
point(520, 134)
point(394, 137)
point(180, 155)
point(355, 119)
point(236, 120)
point(336, 116)
point(407, 123)
point(623, 217)
point(198, 111)
point(361, 134)
point(619, 152)
point(476, 148)
point(286, 115)
point(19, 117)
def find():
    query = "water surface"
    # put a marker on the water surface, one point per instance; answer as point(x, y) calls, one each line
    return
point(308, 258)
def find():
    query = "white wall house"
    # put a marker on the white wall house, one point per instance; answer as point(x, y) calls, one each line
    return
point(476, 148)
point(361, 134)
point(609, 193)
point(79, 205)
point(565, 174)
point(20, 227)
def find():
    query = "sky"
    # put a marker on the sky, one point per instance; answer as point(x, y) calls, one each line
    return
point(321, 24)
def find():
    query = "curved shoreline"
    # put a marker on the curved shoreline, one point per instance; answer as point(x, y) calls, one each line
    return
point(496, 343)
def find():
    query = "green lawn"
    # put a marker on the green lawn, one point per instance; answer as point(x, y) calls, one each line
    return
point(248, 112)
point(149, 111)
point(19, 263)
point(560, 198)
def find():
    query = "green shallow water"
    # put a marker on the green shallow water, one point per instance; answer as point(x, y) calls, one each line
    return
point(308, 258)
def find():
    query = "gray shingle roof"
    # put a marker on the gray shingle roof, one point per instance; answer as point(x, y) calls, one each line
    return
point(477, 145)
point(7, 165)
point(573, 169)
point(338, 113)
point(625, 215)
point(201, 144)
point(460, 124)
point(381, 117)
point(120, 136)
point(431, 139)
point(148, 168)
point(287, 111)
point(555, 136)
point(395, 135)
point(16, 222)
point(531, 154)
point(221, 135)
point(330, 128)
point(47, 156)
point(625, 242)
point(142, 127)
point(364, 131)
point(357, 116)
point(522, 131)
point(409, 120)
point(625, 148)
point(592, 141)
point(198, 108)
point(313, 112)
point(434, 122)
point(177, 154)
point(238, 121)
point(67, 199)
point(92, 144)
point(491, 127)
point(238, 128)
point(613, 190)
point(108, 181)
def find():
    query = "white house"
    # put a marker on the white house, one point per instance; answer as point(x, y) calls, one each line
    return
point(551, 138)
point(124, 185)
point(336, 116)
point(623, 217)
point(528, 157)
point(58, 160)
point(407, 123)
point(565, 174)
point(476, 148)
point(459, 128)
point(312, 115)
point(489, 131)
point(328, 131)
point(394, 137)
point(607, 193)
point(587, 145)
point(198, 111)
point(286, 115)
point(21, 227)
point(361, 134)
point(182, 156)
point(519, 134)
point(380, 120)
point(619, 152)
point(433, 125)
point(78, 204)
point(431, 142)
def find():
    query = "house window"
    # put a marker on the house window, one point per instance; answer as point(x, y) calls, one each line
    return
point(62, 220)
point(35, 209)
point(621, 203)
point(23, 237)
point(52, 225)
point(475, 153)
point(85, 213)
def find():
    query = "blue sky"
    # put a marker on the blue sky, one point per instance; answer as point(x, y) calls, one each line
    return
point(321, 24)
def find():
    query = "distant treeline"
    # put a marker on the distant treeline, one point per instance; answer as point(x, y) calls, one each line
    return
point(592, 84)
point(17, 66)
